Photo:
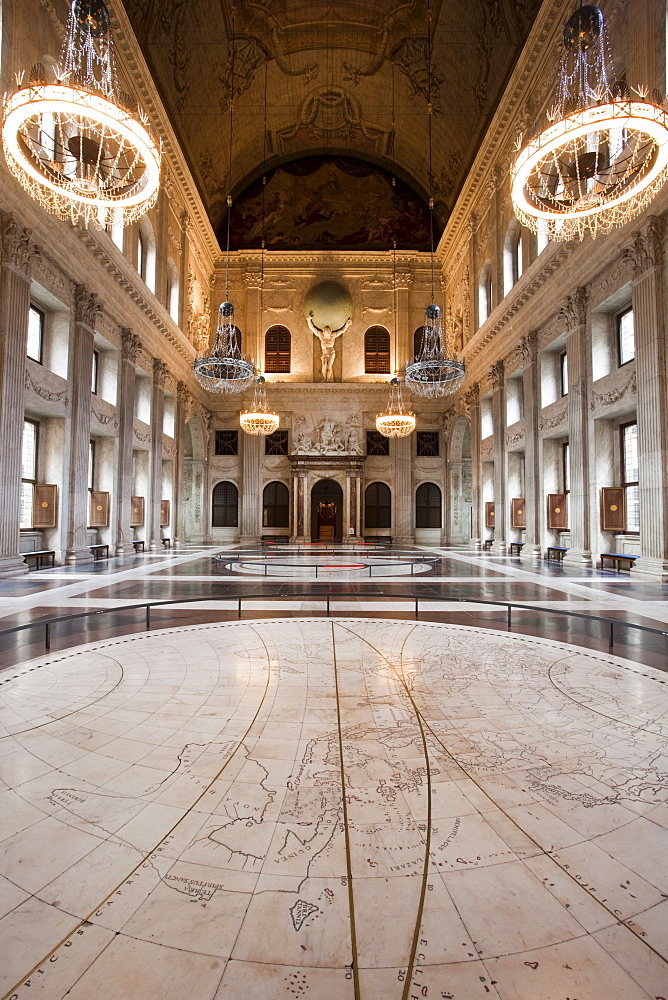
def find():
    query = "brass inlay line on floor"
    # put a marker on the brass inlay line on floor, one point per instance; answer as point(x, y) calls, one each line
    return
point(147, 855)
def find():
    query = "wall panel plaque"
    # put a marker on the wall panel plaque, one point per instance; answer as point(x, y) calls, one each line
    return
point(613, 508)
point(518, 512)
point(557, 512)
point(136, 512)
point(164, 513)
point(99, 509)
point(489, 514)
point(44, 500)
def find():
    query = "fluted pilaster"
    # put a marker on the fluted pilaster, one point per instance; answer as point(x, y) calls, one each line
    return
point(574, 314)
point(130, 349)
point(251, 490)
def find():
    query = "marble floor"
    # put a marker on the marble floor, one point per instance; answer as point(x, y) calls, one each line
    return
point(345, 808)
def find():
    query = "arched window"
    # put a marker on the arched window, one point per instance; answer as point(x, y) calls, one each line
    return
point(173, 291)
point(276, 506)
point(377, 506)
point(418, 338)
point(146, 253)
point(485, 292)
point(542, 236)
point(428, 506)
point(512, 256)
point(238, 333)
point(377, 351)
point(225, 506)
point(277, 350)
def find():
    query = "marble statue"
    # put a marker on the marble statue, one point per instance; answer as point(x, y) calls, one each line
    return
point(327, 338)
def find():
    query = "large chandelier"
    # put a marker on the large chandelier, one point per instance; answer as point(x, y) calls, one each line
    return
point(258, 419)
point(604, 156)
point(432, 372)
point(78, 146)
point(395, 422)
point(223, 368)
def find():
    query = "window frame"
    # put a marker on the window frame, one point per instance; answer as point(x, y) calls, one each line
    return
point(563, 374)
point(377, 362)
point(278, 361)
point(421, 438)
point(618, 331)
point(281, 511)
point(379, 441)
point(25, 479)
point(629, 483)
point(274, 446)
point(382, 512)
point(95, 372)
point(42, 326)
point(218, 443)
point(427, 509)
point(225, 506)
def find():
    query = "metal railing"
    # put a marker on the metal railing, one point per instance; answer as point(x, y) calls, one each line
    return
point(49, 624)
point(271, 562)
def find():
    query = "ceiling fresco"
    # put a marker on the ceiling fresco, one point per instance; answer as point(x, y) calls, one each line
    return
point(343, 78)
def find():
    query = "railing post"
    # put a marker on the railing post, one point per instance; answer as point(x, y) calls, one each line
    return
point(47, 636)
point(611, 636)
point(239, 609)
point(416, 609)
point(510, 616)
point(148, 616)
point(328, 610)
point(316, 572)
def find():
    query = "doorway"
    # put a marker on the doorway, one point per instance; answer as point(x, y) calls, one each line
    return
point(327, 511)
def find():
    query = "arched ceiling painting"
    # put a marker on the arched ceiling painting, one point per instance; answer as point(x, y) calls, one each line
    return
point(347, 77)
point(322, 202)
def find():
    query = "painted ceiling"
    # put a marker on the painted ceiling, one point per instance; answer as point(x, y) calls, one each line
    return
point(346, 78)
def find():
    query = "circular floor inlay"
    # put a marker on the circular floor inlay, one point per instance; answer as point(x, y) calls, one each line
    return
point(333, 809)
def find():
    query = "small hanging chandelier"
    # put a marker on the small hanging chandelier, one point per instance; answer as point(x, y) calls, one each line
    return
point(258, 420)
point(224, 369)
point(432, 372)
point(78, 146)
point(605, 155)
point(395, 422)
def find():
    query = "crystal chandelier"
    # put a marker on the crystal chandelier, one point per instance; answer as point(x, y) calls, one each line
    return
point(604, 156)
point(258, 419)
point(78, 146)
point(395, 422)
point(223, 368)
point(432, 372)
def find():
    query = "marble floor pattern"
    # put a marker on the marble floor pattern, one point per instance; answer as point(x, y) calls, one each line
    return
point(344, 809)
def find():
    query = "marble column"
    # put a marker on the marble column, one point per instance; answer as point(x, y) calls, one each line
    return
point(403, 519)
point(125, 407)
point(251, 488)
point(17, 253)
point(182, 402)
point(528, 348)
point(472, 400)
point(80, 365)
point(155, 481)
point(646, 255)
point(497, 374)
point(301, 531)
point(574, 313)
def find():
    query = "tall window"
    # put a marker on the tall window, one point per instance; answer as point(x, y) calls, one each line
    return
point(226, 443)
point(626, 341)
point(276, 443)
point(485, 292)
point(563, 373)
point(428, 506)
point(35, 345)
point(418, 340)
point(146, 252)
point(512, 256)
point(276, 506)
point(95, 371)
point(377, 443)
point(91, 466)
point(427, 444)
point(629, 443)
point(173, 293)
point(377, 506)
point(225, 506)
point(566, 478)
point(277, 350)
point(376, 351)
point(542, 237)
point(141, 254)
point(28, 470)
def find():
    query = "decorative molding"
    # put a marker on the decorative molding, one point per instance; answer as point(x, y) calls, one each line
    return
point(105, 418)
point(87, 306)
point(43, 392)
point(472, 396)
point(496, 374)
point(646, 249)
point(16, 245)
point(131, 345)
point(527, 348)
point(573, 310)
point(614, 395)
point(551, 423)
point(160, 373)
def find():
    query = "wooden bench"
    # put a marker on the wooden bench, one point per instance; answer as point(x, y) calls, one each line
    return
point(487, 544)
point(516, 548)
point(100, 551)
point(39, 556)
point(617, 558)
point(556, 553)
point(166, 543)
point(138, 546)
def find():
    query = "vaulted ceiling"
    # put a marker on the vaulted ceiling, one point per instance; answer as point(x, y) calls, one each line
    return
point(345, 77)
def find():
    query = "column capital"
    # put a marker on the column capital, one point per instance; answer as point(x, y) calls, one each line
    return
point(160, 373)
point(646, 250)
point(527, 348)
point(574, 308)
point(497, 374)
point(472, 395)
point(16, 246)
point(130, 345)
point(183, 397)
point(87, 306)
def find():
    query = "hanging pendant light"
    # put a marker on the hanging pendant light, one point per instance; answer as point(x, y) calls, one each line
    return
point(433, 371)
point(78, 146)
point(604, 156)
point(396, 422)
point(224, 369)
point(258, 419)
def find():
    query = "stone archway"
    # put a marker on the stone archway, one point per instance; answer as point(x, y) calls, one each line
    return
point(460, 496)
point(195, 481)
point(327, 511)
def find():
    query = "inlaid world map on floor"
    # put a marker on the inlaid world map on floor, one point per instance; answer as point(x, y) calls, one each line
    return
point(333, 810)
